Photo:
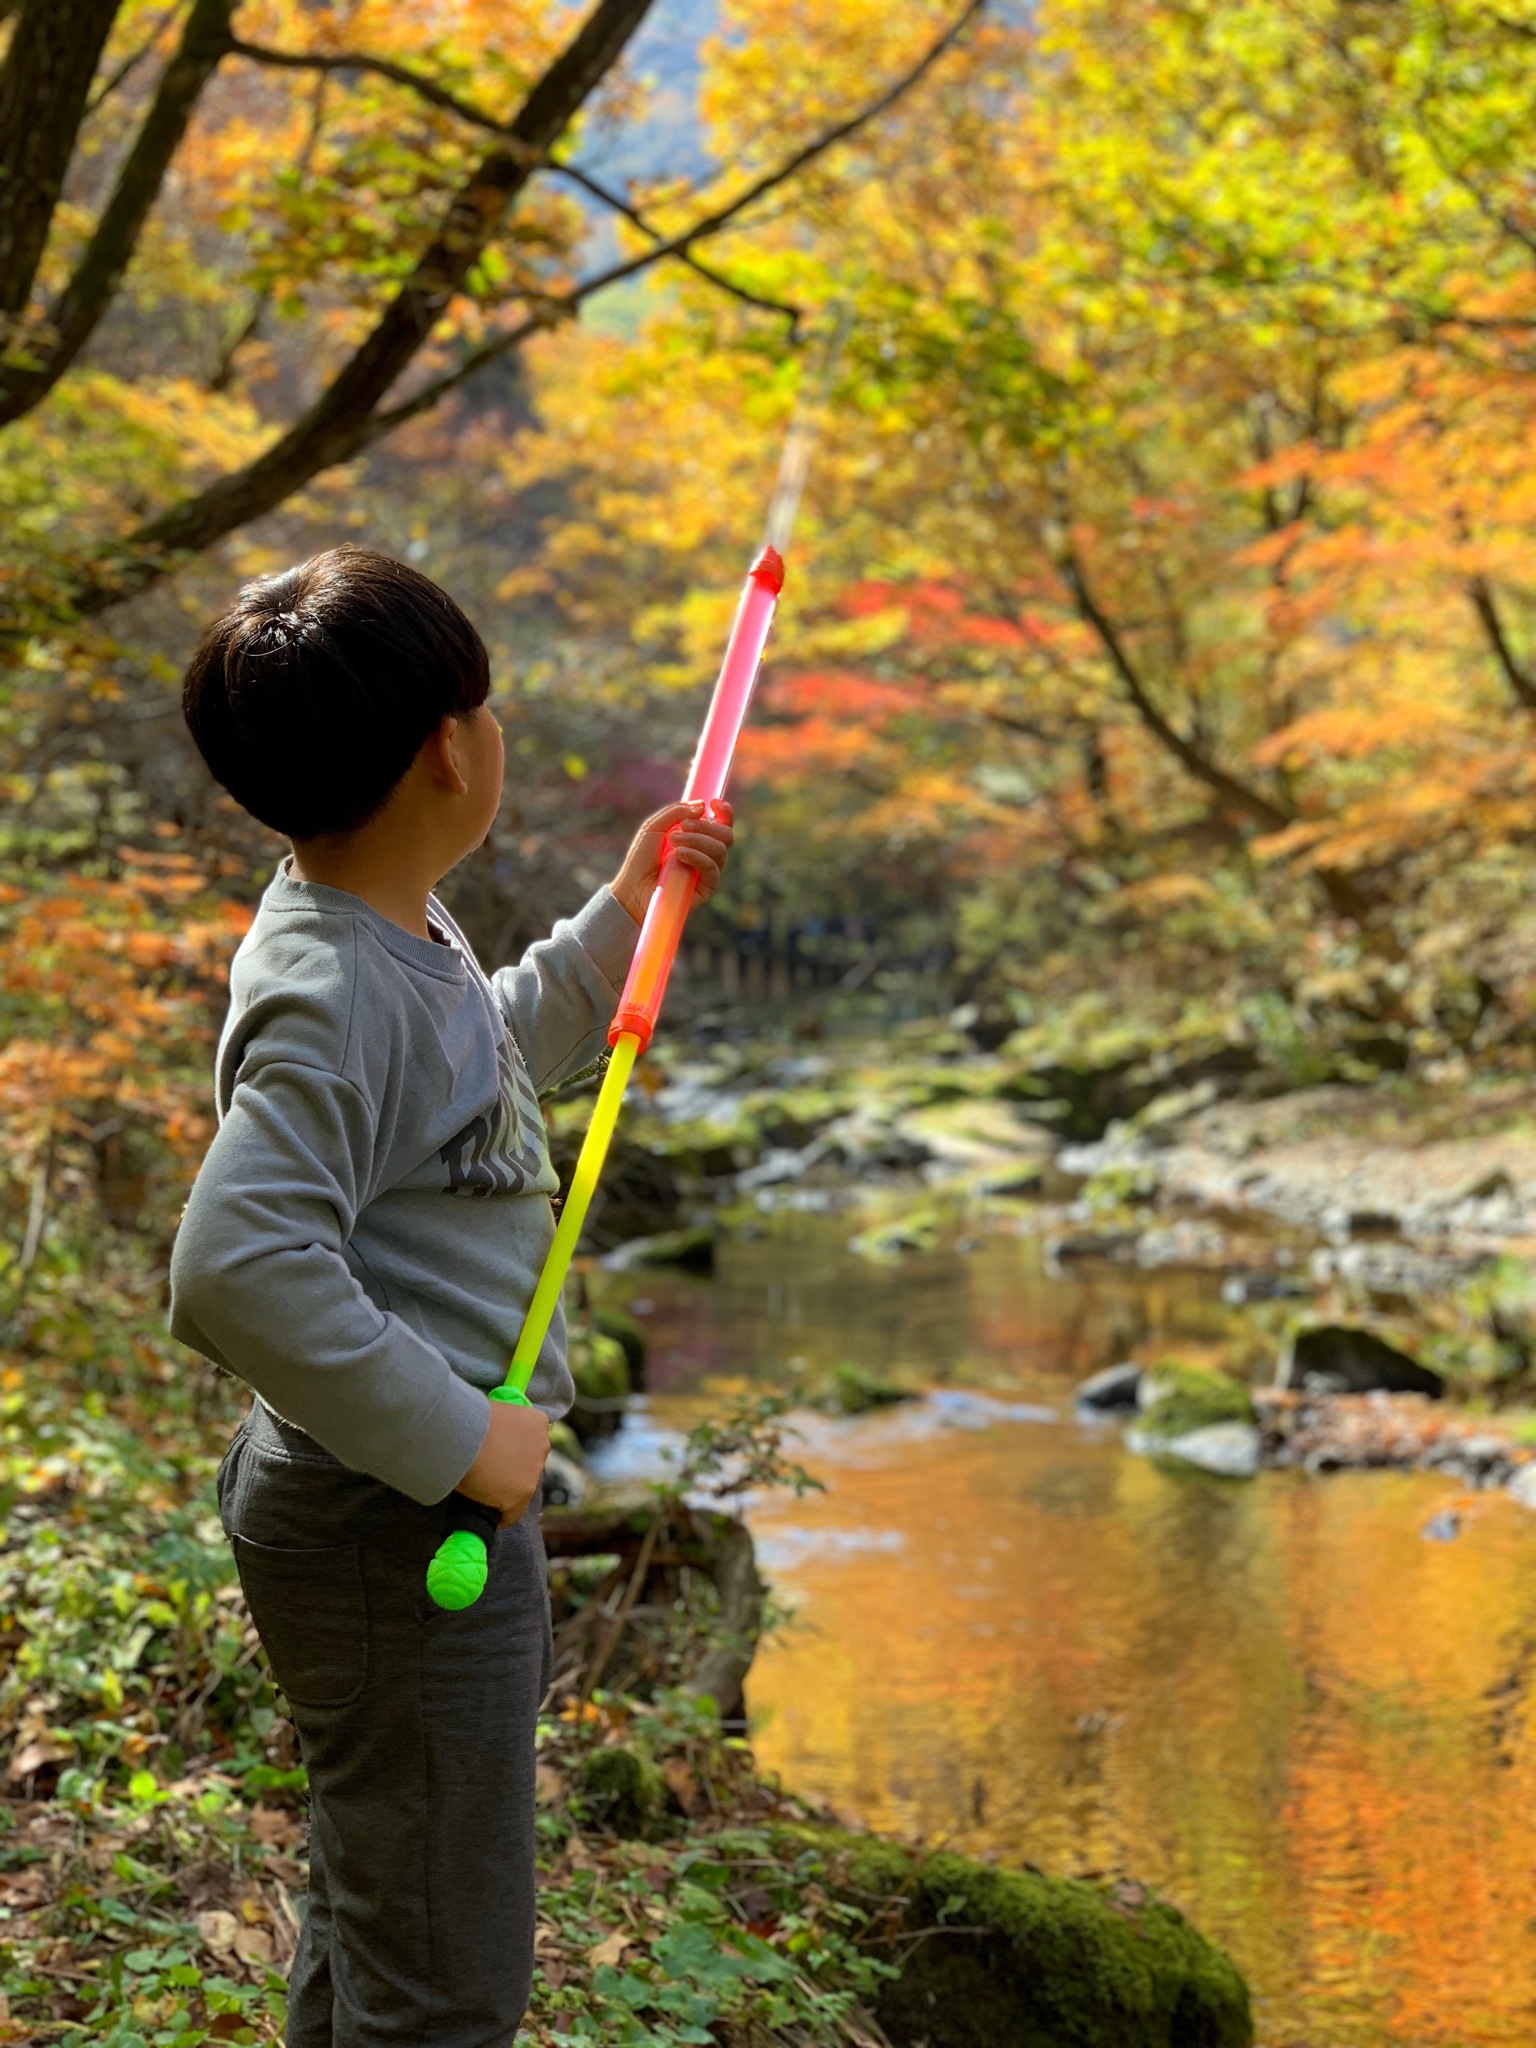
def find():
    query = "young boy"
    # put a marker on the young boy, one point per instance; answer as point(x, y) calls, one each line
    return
point(360, 1245)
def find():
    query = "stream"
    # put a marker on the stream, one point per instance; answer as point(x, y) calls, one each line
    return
point(1280, 1702)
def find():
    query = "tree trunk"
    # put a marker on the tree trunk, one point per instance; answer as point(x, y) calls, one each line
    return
point(204, 41)
point(47, 74)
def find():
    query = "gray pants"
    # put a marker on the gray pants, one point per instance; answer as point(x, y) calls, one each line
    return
point(417, 1729)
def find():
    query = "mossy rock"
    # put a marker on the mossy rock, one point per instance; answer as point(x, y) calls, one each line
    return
point(1014, 1959)
point(1178, 1399)
point(855, 1390)
point(563, 1438)
point(601, 1372)
point(918, 1232)
point(692, 1250)
point(623, 1789)
point(627, 1332)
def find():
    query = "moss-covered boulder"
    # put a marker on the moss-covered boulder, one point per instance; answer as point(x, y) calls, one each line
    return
point(691, 1250)
point(853, 1389)
point(1013, 1959)
point(622, 1789)
point(601, 1373)
point(629, 1334)
point(1176, 1400)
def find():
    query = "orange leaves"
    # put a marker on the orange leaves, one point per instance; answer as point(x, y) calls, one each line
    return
point(109, 1002)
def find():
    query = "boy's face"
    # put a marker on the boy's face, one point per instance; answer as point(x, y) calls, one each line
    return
point(478, 751)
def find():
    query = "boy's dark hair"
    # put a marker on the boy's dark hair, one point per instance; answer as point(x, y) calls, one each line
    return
point(312, 695)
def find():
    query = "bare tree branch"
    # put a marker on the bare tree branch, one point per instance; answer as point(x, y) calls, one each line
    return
point(1516, 674)
point(130, 63)
point(793, 314)
point(418, 82)
point(1251, 802)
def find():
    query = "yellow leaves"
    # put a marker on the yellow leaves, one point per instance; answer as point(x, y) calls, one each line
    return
point(1166, 892)
point(1352, 732)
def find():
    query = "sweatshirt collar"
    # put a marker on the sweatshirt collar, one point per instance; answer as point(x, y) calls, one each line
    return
point(286, 893)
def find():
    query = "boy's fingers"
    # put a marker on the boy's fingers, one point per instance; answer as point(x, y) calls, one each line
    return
point(674, 814)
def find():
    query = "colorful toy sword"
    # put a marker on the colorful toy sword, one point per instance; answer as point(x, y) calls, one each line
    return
point(456, 1576)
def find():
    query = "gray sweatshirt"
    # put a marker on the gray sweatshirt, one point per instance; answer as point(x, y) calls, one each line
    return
point(366, 1230)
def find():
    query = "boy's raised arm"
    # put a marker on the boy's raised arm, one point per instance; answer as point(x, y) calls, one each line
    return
point(558, 999)
point(259, 1284)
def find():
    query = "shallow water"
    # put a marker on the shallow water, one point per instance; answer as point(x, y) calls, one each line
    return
point(1278, 1702)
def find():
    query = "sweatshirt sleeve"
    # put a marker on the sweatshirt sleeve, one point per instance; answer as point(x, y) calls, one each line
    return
point(560, 997)
point(260, 1284)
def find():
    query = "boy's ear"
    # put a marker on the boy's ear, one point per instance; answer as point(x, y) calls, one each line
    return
point(437, 756)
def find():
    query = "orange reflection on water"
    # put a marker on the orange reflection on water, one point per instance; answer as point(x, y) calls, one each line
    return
point(1276, 1701)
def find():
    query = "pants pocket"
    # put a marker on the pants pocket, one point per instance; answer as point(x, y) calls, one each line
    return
point(310, 1608)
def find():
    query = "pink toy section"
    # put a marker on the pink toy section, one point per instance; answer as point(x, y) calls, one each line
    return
point(662, 930)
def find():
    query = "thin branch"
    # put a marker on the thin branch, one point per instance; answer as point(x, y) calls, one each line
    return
point(429, 89)
point(131, 63)
point(1491, 211)
point(438, 95)
point(1516, 674)
point(793, 314)
point(1250, 801)
point(1346, 897)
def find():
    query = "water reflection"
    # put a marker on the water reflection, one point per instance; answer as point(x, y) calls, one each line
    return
point(1277, 1702)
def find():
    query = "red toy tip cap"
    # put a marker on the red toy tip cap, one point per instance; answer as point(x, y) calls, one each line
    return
point(769, 569)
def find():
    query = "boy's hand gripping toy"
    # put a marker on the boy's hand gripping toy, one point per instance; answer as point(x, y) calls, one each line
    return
point(456, 1576)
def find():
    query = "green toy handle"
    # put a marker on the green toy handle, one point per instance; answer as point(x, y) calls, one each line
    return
point(457, 1574)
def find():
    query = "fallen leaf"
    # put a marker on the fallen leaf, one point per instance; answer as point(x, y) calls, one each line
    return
point(548, 1785)
point(554, 1974)
point(275, 1826)
point(253, 1945)
point(253, 1911)
point(26, 1762)
point(217, 1931)
point(610, 1951)
point(681, 1783)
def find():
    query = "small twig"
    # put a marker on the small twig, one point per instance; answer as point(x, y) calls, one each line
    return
point(131, 63)
point(37, 1212)
point(616, 1627)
